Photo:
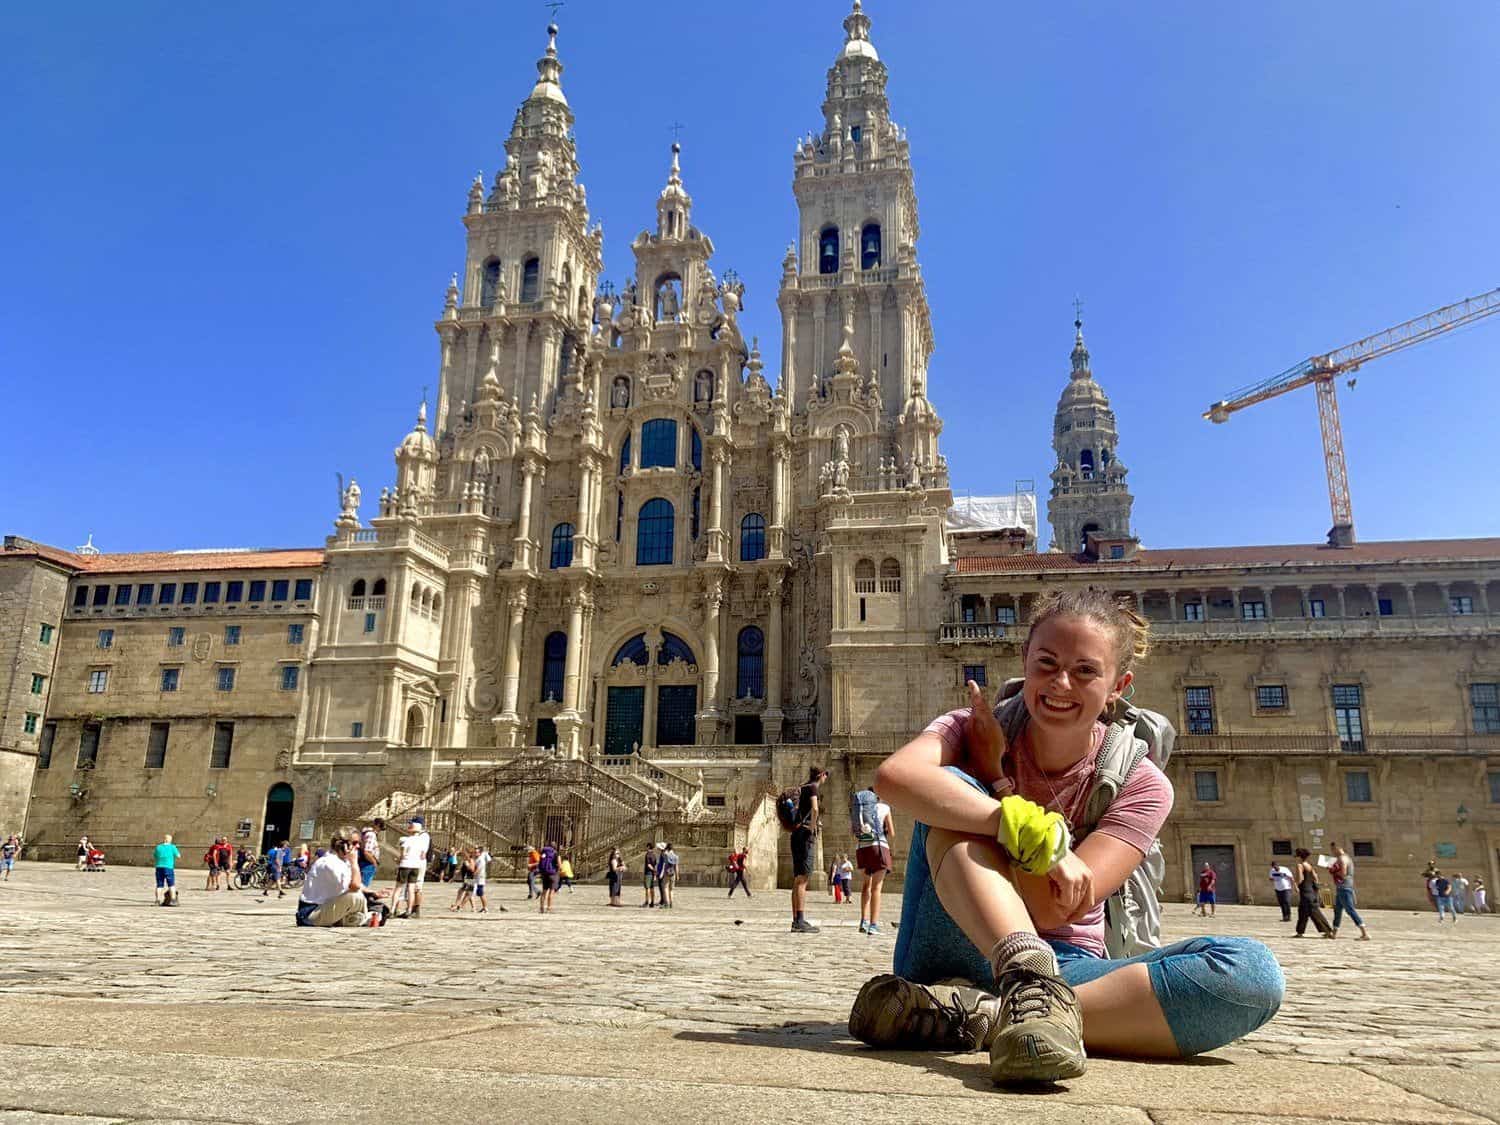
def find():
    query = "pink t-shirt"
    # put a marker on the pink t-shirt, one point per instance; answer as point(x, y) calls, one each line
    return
point(1135, 816)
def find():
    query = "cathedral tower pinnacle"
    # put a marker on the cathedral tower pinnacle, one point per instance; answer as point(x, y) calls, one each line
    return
point(1089, 494)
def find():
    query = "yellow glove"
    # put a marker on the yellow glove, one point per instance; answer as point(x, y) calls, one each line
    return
point(1035, 838)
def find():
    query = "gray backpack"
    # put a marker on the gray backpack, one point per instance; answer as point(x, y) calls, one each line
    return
point(1132, 915)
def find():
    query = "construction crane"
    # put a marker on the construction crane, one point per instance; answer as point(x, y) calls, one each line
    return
point(1323, 370)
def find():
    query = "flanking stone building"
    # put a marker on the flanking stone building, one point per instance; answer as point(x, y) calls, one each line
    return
point(621, 587)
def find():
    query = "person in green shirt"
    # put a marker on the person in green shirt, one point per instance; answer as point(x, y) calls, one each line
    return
point(166, 857)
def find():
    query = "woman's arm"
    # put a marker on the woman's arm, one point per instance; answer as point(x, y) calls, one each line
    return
point(913, 780)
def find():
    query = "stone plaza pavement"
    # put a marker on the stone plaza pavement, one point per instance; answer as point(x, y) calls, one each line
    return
point(113, 1010)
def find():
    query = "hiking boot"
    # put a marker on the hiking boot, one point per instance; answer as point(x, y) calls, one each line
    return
point(1039, 1037)
point(951, 1015)
point(803, 926)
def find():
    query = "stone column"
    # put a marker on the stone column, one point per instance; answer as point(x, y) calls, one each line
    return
point(519, 380)
point(1374, 591)
point(773, 717)
point(582, 538)
point(396, 598)
point(1172, 604)
point(445, 378)
point(569, 720)
point(1443, 588)
point(1411, 597)
point(547, 375)
point(720, 458)
point(508, 722)
point(1343, 604)
point(820, 344)
point(648, 710)
point(523, 553)
point(1238, 611)
point(1481, 589)
point(1269, 593)
point(1140, 602)
point(1304, 596)
point(777, 545)
point(713, 600)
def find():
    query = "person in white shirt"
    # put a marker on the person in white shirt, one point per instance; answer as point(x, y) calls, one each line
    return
point(1281, 883)
point(873, 856)
point(481, 873)
point(415, 845)
point(332, 894)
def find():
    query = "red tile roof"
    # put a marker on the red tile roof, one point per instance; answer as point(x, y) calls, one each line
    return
point(141, 562)
point(1294, 554)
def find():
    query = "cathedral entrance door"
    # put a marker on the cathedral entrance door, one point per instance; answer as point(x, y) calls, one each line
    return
point(277, 825)
point(624, 721)
point(676, 704)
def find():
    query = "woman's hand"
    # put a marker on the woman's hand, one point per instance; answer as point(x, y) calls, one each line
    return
point(983, 741)
point(1072, 886)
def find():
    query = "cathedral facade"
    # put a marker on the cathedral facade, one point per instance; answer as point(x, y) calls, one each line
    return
point(623, 588)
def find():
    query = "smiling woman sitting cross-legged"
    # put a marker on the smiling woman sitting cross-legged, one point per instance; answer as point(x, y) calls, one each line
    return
point(1002, 937)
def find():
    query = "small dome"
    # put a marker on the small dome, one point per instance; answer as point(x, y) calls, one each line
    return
point(419, 442)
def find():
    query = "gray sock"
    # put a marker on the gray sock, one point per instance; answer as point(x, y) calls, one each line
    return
point(1023, 951)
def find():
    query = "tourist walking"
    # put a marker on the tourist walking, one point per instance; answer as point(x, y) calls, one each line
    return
point(736, 869)
point(8, 852)
point(1460, 892)
point(165, 857)
point(1208, 881)
point(846, 877)
point(615, 869)
point(565, 872)
point(996, 894)
point(1281, 883)
point(648, 874)
point(1309, 908)
point(1342, 870)
point(333, 894)
point(465, 881)
point(549, 871)
point(369, 851)
point(273, 876)
point(1428, 878)
point(415, 845)
point(871, 823)
point(1442, 894)
point(1481, 897)
point(482, 861)
point(533, 857)
point(666, 876)
point(804, 840)
point(835, 884)
point(83, 852)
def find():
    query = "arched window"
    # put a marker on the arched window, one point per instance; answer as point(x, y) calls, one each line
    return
point(890, 576)
point(358, 589)
point(864, 577)
point(750, 680)
point(562, 546)
point(416, 727)
point(416, 596)
point(869, 246)
point(554, 660)
point(828, 250)
point(567, 281)
point(531, 280)
point(752, 537)
point(378, 590)
point(489, 283)
point(1086, 464)
point(437, 604)
point(565, 355)
point(697, 451)
point(703, 386)
point(633, 651)
point(653, 533)
point(659, 444)
point(1104, 457)
point(673, 648)
point(1083, 536)
point(625, 452)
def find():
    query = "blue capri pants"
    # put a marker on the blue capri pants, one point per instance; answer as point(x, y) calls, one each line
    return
point(1212, 990)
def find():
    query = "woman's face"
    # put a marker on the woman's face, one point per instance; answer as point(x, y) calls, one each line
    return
point(1070, 674)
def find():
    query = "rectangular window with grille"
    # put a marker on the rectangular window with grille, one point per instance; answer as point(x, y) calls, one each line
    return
point(279, 589)
point(218, 758)
point(156, 746)
point(101, 595)
point(98, 681)
point(1270, 697)
point(1281, 847)
point(170, 678)
point(1206, 785)
point(975, 672)
point(189, 593)
point(175, 637)
point(1484, 699)
point(1316, 608)
point(1357, 789)
point(257, 590)
point(88, 746)
point(1461, 604)
point(122, 595)
point(1253, 611)
point(231, 634)
point(1348, 715)
point(46, 637)
point(80, 597)
point(106, 638)
point(234, 591)
point(303, 590)
point(144, 593)
point(356, 730)
point(289, 675)
point(168, 593)
point(29, 726)
point(1192, 611)
point(226, 679)
point(1199, 702)
point(294, 634)
point(676, 706)
point(1384, 607)
point(1364, 849)
point(1005, 615)
point(369, 623)
point(44, 747)
point(210, 593)
point(38, 683)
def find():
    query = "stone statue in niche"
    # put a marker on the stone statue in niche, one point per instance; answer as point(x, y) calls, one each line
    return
point(671, 305)
point(841, 444)
point(703, 386)
point(619, 394)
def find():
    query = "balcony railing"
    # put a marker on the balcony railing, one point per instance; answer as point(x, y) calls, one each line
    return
point(1324, 742)
point(1423, 625)
point(974, 632)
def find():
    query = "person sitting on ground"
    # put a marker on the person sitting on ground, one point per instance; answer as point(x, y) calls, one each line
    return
point(999, 893)
point(332, 894)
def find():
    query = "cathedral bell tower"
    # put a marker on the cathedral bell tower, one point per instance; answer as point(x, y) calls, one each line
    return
point(1089, 494)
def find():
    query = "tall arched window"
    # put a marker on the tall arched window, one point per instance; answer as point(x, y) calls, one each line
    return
point(752, 537)
point(633, 651)
point(1104, 457)
point(697, 451)
point(489, 283)
point(416, 727)
point(653, 533)
point(673, 648)
point(1086, 464)
point(378, 590)
point(625, 452)
point(828, 250)
point(890, 576)
point(554, 661)
point(358, 589)
point(750, 679)
point(562, 546)
point(531, 280)
point(659, 444)
point(864, 577)
point(869, 246)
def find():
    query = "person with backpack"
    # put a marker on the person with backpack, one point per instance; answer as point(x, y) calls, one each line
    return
point(870, 822)
point(1031, 818)
point(666, 875)
point(798, 812)
point(736, 869)
point(549, 870)
point(648, 875)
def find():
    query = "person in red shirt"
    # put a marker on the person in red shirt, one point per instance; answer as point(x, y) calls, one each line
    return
point(736, 868)
point(1207, 899)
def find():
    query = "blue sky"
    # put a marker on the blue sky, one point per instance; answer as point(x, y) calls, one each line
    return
point(227, 228)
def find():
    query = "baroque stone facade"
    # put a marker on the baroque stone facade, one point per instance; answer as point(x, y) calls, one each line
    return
point(620, 567)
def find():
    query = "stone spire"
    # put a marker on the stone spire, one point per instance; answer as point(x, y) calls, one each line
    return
point(1089, 494)
point(857, 35)
point(674, 207)
point(549, 71)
